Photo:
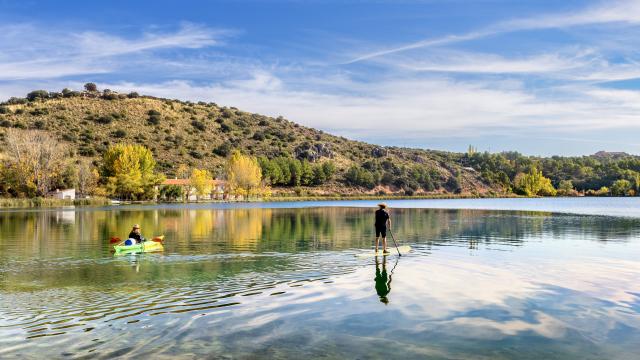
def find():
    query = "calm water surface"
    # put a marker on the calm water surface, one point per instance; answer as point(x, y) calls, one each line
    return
point(286, 283)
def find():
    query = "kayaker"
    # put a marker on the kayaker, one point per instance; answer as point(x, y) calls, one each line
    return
point(382, 222)
point(136, 234)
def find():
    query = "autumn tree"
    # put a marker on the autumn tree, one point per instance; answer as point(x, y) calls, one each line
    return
point(183, 171)
point(87, 178)
point(533, 183)
point(129, 172)
point(201, 182)
point(244, 175)
point(35, 160)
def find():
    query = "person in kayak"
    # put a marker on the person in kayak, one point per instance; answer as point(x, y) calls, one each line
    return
point(136, 234)
point(382, 222)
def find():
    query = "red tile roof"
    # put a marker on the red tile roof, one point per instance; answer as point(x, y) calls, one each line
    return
point(186, 182)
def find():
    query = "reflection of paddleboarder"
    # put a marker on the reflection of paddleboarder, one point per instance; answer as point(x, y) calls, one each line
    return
point(383, 280)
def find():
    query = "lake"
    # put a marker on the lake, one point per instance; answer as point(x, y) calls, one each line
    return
point(486, 279)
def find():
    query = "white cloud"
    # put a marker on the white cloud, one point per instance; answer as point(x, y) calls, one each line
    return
point(623, 12)
point(470, 62)
point(416, 108)
point(31, 52)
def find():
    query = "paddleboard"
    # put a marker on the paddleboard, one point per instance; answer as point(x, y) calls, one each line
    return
point(391, 251)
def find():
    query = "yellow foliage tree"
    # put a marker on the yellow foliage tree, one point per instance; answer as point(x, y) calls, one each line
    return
point(534, 183)
point(244, 175)
point(201, 181)
point(129, 170)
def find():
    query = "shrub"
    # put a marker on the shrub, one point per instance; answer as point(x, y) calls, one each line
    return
point(133, 95)
point(39, 124)
point(223, 150)
point(198, 125)
point(105, 119)
point(225, 128)
point(39, 112)
point(153, 113)
point(153, 120)
point(258, 136)
point(6, 123)
point(119, 134)
point(4, 110)
point(196, 154)
point(37, 94)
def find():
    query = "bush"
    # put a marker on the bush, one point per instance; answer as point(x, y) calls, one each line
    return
point(223, 150)
point(119, 134)
point(6, 123)
point(225, 128)
point(258, 136)
point(4, 110)
point(196, 154)
point(37, 94)
point(133, 95)
point(153, 120)
point(198, 125)
point(105, 119)
point(39, 124)
point(39, 112)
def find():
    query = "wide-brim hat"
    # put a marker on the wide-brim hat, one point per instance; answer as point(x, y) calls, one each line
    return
point(382, 205)
point(136, 226)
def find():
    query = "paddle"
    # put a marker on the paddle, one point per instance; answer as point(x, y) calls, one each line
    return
point(114, 239)
point(394, 242)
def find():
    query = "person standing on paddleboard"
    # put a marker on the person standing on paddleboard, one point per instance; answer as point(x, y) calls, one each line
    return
point(382, 222)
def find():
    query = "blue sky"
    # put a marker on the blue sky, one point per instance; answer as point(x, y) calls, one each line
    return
point(540, 77)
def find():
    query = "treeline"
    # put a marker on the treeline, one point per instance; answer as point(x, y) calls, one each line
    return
point(35, 164)
point(286, 171)
point(595, 175)
point(409, 178)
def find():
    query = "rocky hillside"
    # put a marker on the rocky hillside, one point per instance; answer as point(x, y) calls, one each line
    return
point(203, 134)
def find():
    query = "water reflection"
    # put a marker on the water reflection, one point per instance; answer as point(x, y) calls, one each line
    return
point(383, 280)
point(286, 283)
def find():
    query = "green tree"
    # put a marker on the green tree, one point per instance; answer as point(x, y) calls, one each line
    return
point(90, 87)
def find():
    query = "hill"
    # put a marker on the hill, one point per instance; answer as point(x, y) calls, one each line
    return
point(203, 134)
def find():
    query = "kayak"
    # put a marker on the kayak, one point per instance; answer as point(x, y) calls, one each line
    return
point(391, 251)
point(147, 246)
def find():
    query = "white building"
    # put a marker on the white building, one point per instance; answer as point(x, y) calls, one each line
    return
point(69, 194)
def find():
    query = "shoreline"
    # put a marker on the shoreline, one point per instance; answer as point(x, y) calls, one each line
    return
point(47, 203)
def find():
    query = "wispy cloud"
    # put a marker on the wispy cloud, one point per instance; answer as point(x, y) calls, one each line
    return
point(621, 11)
point(29, 52)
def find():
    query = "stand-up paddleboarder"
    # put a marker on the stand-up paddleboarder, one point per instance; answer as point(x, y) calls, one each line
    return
point(382, 222)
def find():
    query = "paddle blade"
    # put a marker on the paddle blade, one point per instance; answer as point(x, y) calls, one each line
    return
point(157, 239)
point(114, 240)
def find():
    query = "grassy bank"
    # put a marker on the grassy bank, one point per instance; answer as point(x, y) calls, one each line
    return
point(47, 202)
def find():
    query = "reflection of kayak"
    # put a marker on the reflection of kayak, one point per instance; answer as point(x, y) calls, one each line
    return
point(391, 251)
point(147, 246)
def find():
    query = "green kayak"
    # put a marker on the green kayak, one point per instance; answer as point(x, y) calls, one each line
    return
point(147, 246)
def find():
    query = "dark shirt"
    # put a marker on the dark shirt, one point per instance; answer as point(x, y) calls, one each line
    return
point(381, 218)
point(134, 235)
